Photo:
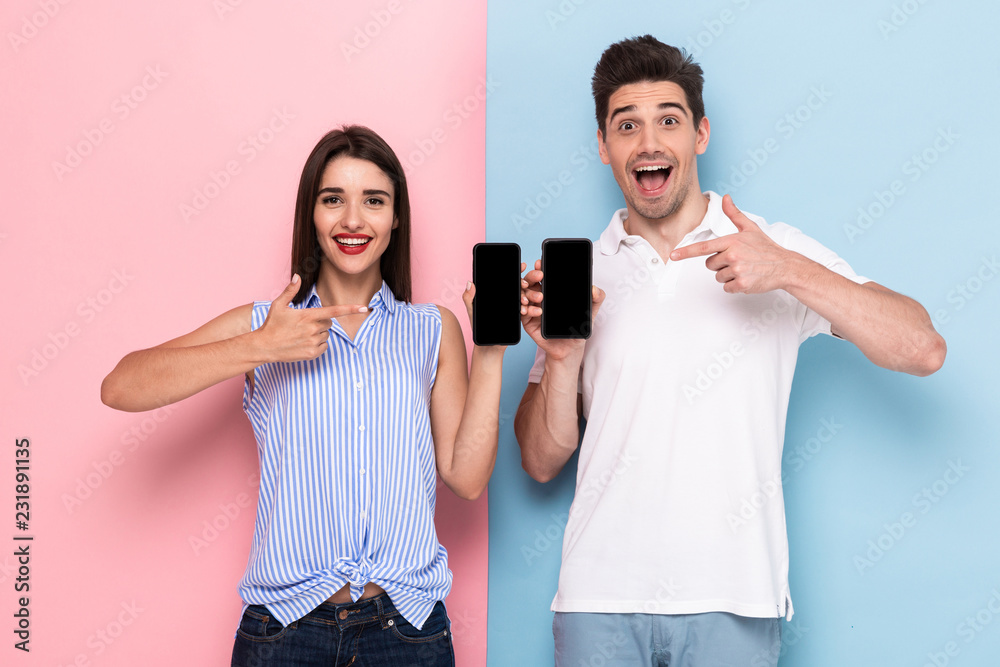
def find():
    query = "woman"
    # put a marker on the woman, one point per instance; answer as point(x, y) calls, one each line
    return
point(358, 400)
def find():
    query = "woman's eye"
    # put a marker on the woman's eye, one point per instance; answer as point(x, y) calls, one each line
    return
point(375, 201)
point(330, 200)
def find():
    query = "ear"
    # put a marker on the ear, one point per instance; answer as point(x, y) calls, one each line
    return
point(602, 148)
point(701, 139)
point(395, 222)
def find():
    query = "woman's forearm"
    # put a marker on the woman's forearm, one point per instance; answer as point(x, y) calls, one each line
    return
point(152, 378)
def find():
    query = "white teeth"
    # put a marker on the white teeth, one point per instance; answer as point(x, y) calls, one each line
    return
point(344, 241)
point(650, 168)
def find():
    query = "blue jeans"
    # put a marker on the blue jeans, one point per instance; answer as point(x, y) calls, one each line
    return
point(360, 634)
point(714, 639)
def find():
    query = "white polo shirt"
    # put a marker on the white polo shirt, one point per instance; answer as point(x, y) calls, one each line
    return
point(678, 506)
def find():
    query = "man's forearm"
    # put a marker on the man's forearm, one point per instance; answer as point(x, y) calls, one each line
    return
point(547, 424)
point(892, 330)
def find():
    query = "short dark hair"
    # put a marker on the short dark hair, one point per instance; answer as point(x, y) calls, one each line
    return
point(641, 59)
point(359, 142)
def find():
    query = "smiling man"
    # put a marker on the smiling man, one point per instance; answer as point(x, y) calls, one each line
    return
point(684, 386)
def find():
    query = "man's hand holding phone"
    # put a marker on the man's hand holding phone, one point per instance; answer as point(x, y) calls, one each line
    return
point(531, 316)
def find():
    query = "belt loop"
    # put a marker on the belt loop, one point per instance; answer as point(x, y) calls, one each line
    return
point(381, 612)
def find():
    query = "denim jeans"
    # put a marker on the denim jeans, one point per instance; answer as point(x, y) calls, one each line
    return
point(360, 634)
point(713, 639)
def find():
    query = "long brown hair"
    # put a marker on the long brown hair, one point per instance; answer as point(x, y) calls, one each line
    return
point(362, 143)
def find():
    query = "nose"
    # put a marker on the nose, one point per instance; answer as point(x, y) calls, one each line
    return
point(353, 217)
point(649, 140)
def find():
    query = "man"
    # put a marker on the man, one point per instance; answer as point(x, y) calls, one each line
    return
point(684, 386)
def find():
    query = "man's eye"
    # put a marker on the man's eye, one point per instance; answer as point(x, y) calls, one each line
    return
point(669, 121)
point(626, 126)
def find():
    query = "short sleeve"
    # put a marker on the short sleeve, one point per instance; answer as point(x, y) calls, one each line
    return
point(535, 375)
point(813, 323)
point(537, 368)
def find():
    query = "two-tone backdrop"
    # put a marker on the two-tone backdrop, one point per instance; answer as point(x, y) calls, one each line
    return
point(151, 155)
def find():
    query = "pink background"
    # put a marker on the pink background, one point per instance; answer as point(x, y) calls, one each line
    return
point(101, 258)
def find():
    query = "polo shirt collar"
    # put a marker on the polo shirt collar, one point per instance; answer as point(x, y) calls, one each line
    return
point(714, 221)
point(383, 296)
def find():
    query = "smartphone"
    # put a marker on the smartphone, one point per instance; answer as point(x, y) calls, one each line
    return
point(567, 274)
point(496, 308)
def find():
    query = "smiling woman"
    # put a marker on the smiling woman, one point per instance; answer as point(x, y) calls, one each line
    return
point(358, 400)
point(353, 158)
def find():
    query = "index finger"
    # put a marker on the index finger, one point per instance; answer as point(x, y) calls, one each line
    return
point(330, 312)
point(700, 249)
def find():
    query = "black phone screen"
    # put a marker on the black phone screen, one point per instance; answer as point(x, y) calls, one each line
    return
point(566, 281)
point(496, 308)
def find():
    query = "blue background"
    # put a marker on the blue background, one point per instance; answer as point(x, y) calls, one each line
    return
point(894, 76)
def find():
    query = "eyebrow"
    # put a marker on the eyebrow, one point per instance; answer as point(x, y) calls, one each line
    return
point(662, 105)
point(340, 191)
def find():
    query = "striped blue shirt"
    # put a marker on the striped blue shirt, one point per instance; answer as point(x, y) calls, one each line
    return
point(347, 470)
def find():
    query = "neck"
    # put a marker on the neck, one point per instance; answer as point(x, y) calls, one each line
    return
point(340, 289)
point(665, 233)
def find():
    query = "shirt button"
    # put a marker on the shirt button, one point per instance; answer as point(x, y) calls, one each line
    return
point(364, 514)
point(361, 428)
point(353, 351)
point(363, 471)
point(357, 386)
point(655, 260)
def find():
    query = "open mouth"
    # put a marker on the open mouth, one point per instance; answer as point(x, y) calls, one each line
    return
point(652, 178)
point(352, 244)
